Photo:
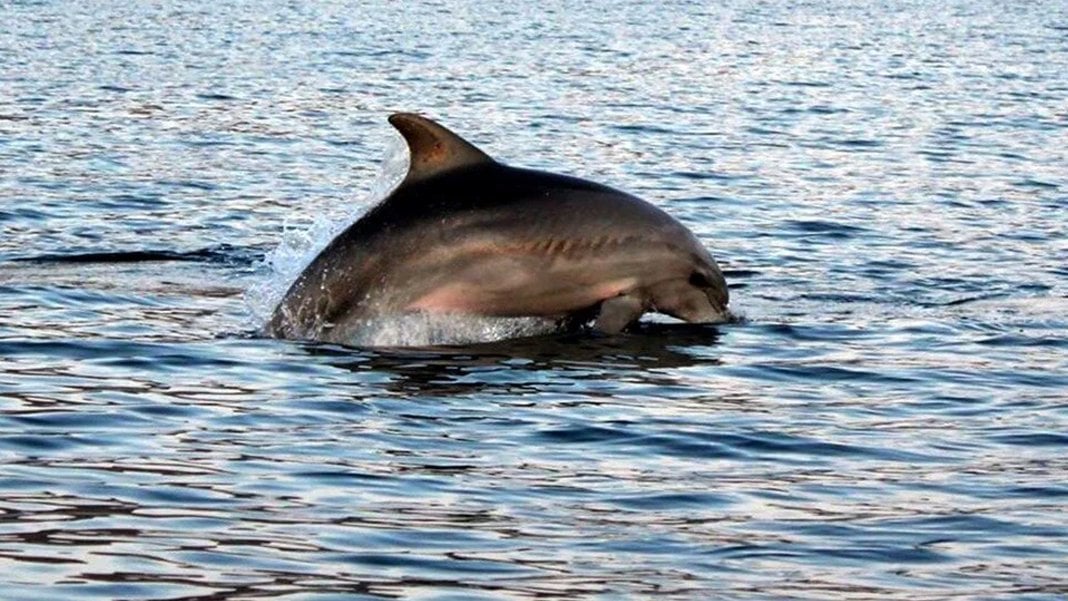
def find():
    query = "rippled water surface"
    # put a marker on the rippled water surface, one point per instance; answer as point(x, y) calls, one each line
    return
point(886, 186)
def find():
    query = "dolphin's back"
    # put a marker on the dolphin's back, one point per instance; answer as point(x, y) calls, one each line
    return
point(566, 207)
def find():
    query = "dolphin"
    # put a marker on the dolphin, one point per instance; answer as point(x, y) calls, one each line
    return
point(465, 234)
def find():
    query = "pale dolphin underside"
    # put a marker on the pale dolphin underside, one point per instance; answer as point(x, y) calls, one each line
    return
point(464, 234)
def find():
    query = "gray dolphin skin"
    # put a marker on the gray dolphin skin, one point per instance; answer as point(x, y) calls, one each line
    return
point(464, 234)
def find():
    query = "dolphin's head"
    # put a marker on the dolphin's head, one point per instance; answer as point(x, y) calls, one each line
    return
point(709, 279)
point(700, 297)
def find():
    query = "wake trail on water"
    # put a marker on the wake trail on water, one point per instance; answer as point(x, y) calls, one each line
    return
point(223, 253)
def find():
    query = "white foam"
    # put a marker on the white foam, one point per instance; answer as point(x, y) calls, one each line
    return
point(430, 329)
point(299, 246)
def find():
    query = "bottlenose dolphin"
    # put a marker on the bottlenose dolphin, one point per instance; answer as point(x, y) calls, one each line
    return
point(464, 234)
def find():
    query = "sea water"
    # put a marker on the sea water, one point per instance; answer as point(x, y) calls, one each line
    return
point(884, 184)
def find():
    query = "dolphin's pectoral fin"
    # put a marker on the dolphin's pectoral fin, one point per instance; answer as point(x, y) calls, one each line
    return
point(617, 313)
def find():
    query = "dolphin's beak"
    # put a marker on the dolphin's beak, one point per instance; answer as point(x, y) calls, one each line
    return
point(718, 294)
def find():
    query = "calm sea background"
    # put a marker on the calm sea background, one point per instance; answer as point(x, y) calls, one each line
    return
point(885, 184)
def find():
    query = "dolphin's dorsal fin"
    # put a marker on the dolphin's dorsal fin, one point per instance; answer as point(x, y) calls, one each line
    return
point(432, 149)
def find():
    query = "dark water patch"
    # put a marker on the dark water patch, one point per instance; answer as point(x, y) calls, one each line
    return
point(22, 213)
point(584, 434)
point(224, 254)
point(342, 408)
point(336, 477)
point(648, 129)
point(860, 143)
point(41, 559)
point(203, 186)
point(183, 496)
point(740, 273)
point(1039, 492)
point(46, 443)
point(442, 565)
point(888, 267)
point(112, 257)
point(117, 353)
point(1034, 439)
point(826, 110)
point(965, 525)
point(1012, 156)
point(214, 96)
point(1022, 341)
point(805, 84)
point(764, 446)
point(844, 298)
point(829, 229)
point(158, 411)
point(141, 201)
point(816, 109)
point(956, 302)
point(66, 296)
point(825, 373)
point(688, 445)
point(215, 142)
point(65, 420)
point(345, 143)
point(907, 76)
point(822, 332)
point(706, 176)
point(893, 556)
point(767, 131)
point(1035, 183)
point(769, 444)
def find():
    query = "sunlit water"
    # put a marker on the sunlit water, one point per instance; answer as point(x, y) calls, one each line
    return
point(886, 186)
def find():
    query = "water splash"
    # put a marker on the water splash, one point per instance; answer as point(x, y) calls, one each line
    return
point(299, 246)
point(430, 329)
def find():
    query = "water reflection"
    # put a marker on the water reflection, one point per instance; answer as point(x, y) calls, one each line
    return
point(496, 368)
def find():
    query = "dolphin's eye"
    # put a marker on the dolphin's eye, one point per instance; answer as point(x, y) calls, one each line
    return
point(699, 280)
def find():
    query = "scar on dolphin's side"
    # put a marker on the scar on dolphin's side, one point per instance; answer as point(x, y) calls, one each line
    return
point(465, 234)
